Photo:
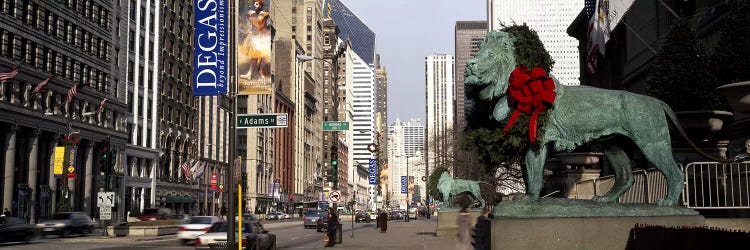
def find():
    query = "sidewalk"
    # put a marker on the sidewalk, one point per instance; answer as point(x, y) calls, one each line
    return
point(415, 234)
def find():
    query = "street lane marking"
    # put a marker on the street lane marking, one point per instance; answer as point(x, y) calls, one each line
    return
point(294, 238)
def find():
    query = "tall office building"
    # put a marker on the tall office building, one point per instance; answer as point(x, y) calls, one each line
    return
point(179, 108)
point(362, 81)
point(468, 36)
point(79, 42)
point(439, 96)
point(142, 63)
point(300, 32)
point(381, 106)
point(405, 139)
point(550, 19)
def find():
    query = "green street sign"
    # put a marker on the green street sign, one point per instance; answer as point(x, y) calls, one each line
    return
point(335, 126)
point(276, 120)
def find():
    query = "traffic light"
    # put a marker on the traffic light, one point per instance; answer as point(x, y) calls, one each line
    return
point(334, 156)
point(104, 152)
point(334, 164)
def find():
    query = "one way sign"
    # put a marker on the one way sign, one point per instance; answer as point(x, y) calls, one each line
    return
point(105, 199)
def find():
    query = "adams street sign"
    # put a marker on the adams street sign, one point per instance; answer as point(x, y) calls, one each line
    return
point(277, 120)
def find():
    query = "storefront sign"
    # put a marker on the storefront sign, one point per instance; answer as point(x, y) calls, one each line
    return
point(214, 181)
point(70, 165)
point(58, 162)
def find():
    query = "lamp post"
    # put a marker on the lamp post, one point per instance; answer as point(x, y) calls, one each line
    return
point(407, 188)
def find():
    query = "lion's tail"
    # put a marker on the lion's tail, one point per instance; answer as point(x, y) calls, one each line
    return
point(673, 118)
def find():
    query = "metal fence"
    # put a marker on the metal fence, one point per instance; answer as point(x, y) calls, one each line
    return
point(712, 185)
point(708, 185)
point(648, 186)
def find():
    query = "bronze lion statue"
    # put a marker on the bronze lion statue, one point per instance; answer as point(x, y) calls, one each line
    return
point(447, 186)
point(581, 115)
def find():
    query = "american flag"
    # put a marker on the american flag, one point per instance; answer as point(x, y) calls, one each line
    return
point(4, 77)
point(42, 86)
point(185, 167)
point(598, 34)
point(200, 169)
point(72, 92)
point(101, 106)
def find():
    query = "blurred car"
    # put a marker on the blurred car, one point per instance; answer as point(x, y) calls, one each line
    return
point(310, 218)
point(275, 216)
point(362, 216)
point(254, 236)
point(285, 216)
point(246, 218)
point(322, 223)
point(183, 218)
point(65, 223)
point(412, 213)
point(373, 215)
point(397, 215)
point(196, 226)
point(14, 229)
point(157, 213)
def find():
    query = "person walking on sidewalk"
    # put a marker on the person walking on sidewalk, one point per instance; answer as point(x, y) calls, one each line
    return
point(463, 221)
point(333, 221)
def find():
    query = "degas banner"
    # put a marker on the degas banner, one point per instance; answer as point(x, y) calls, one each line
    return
point(254, 48)
point(210, 55)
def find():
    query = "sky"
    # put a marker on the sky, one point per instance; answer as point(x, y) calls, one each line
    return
point(406, 31)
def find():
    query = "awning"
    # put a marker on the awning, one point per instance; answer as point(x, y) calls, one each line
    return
point(179, 199)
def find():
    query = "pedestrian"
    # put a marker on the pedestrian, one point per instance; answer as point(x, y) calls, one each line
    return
point(6, 212)
point(333, 221)
point(378, 220)
point(463, 221)
point(483, 230)
point(383, 217)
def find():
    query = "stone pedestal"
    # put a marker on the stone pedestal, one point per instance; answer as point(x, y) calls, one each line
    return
point(576, 233)
point(446, 225)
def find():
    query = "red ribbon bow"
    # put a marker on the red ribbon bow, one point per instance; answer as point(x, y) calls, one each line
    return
point(530, 93)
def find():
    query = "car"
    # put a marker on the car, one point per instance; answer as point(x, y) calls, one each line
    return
point(412, 213)
point(310, 218)
point(246, 218)
point(362, 216)
point(285, 216)
point(65, 223)
point(14, 229)
point(373, 216)
point(197, 225)
point(183, 218)
point(156, 213)
point(274, 216)
point(322, 224)
point(397, 215)
point(254, 236)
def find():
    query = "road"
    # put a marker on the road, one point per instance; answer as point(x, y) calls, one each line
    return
point(417, 234)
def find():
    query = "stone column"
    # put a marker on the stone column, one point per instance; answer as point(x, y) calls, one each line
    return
point(10, 164)
point(152, 191)
point(33, 169)
point(87, 206)
point(171, 164)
